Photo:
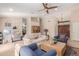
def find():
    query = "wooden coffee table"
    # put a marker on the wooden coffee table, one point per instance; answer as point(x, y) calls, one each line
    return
point(59, 47)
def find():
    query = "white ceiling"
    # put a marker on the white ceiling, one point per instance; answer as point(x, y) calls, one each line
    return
point(34, 7)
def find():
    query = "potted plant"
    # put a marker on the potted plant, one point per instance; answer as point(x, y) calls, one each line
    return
point(55, 39)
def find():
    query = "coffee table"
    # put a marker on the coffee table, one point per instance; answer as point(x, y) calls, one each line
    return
point(59, 47)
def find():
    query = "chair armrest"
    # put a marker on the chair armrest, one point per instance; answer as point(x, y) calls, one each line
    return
point(50, 53)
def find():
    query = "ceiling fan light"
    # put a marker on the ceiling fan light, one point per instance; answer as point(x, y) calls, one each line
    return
point(11, 9)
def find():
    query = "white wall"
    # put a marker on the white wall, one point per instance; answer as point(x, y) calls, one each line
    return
point(15, 21)
point(72, 15)
point(75, 24)
point(49, 22)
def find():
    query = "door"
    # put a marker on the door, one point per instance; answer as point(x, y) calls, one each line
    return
point(64, 29)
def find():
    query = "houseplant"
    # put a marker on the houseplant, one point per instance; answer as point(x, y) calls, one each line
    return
point(55, 39)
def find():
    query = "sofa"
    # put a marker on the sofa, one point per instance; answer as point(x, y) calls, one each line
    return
point(34, 50)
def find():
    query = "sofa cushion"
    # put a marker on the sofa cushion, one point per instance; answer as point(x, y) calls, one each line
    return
point(25, 51)
point(39, 52)
point(33, 46)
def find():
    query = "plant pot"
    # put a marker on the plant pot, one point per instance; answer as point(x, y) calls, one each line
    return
point(55, 42)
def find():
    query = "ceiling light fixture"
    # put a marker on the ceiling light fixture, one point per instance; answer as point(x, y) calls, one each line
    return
point(11, 9)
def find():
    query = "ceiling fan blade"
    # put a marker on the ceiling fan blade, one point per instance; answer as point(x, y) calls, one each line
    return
point(45, 5)
point(47, 11)
point(52, 7)
point(41, 10)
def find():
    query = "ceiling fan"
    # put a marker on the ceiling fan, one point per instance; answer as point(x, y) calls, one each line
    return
point(47, 7)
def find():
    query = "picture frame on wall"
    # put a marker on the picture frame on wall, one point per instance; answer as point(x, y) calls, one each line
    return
point(8, 24)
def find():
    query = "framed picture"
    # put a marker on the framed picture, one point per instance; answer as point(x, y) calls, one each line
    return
point(8, 24)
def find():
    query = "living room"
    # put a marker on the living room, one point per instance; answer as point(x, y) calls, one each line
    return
point(51, 27)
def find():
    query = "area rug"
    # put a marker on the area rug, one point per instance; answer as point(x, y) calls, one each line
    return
point(71, 51)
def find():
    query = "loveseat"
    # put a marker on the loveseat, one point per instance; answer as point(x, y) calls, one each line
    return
point(34, 50)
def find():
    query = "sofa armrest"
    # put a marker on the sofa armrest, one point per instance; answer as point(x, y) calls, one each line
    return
point(26, 51)
point(50, 53)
